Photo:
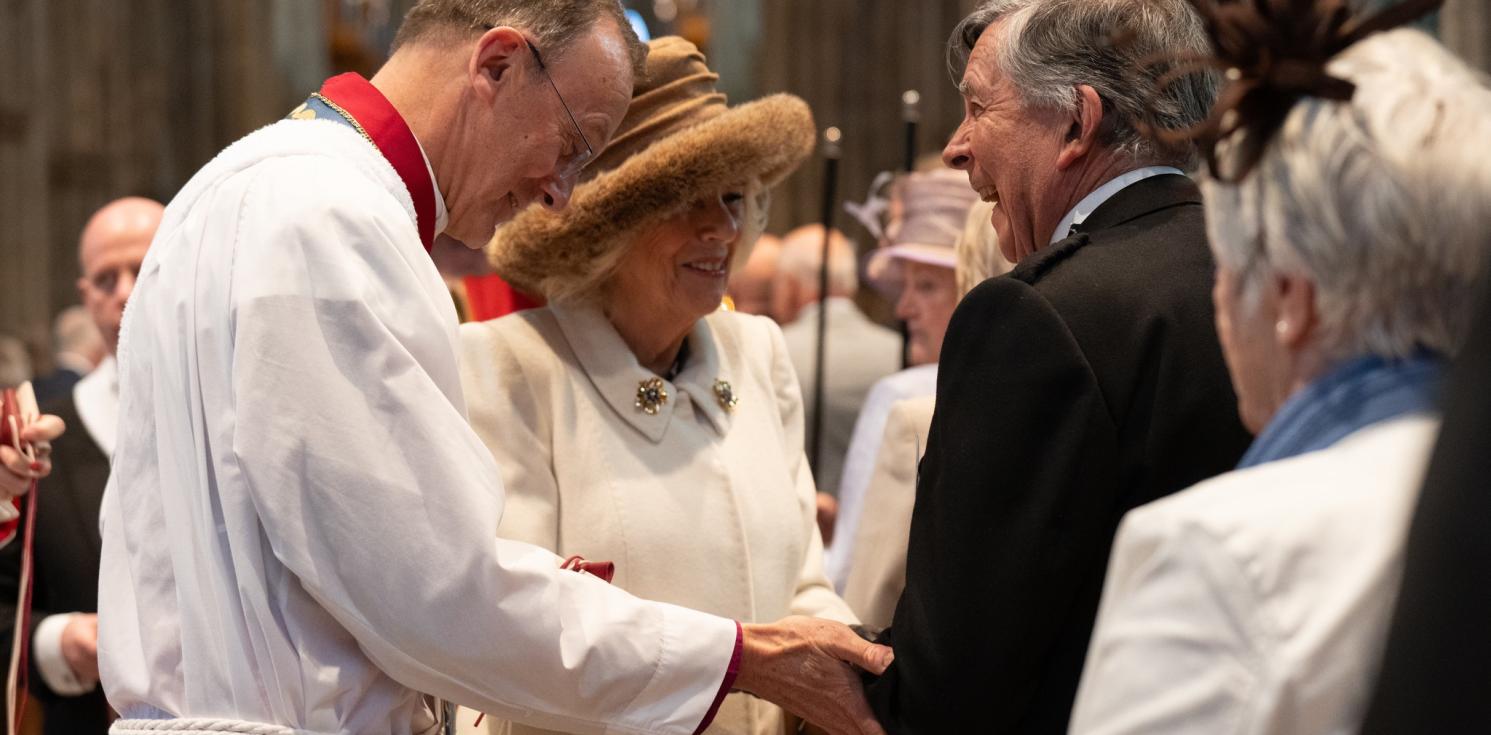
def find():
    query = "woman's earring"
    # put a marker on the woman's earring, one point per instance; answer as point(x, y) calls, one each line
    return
point(1282, 327)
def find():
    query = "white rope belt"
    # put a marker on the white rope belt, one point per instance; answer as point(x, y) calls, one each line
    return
point(197, 726)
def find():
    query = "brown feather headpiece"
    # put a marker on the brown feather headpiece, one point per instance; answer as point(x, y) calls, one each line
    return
point(1274, 53)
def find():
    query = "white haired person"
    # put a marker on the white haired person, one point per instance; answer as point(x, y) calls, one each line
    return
point(636, 421)
point(1349, 231)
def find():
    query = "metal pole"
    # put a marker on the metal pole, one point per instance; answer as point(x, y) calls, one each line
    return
point(831, 153)
point(911, 115)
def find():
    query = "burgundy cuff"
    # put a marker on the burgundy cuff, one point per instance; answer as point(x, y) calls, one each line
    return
point(730, 673)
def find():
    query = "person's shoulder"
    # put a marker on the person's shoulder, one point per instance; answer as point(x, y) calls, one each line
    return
point(749, 330)
point(1280, 510)
point(912, 382)
point(913, 413)
point(521, 335)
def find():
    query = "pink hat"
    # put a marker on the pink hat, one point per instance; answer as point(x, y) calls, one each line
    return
point(934, 206)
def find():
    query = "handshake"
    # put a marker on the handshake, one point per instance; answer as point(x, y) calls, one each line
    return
point(807, 666)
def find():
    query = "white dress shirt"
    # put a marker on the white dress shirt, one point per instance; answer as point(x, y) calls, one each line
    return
point(300, 528)
point(1089, 204)
point(1257, 602)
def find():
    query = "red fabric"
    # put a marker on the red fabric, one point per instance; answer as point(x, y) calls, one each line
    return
point(360, 99)
point(731, 672)
point(489, 297)
point(8, 528)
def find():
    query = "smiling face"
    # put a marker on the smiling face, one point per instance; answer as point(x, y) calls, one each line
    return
point(522, 144)
point(675, 273)
point(1010, 151)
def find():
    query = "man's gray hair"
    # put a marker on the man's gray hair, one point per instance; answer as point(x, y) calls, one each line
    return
point(1049, 47)
point(1381, 202)
point(554, 24)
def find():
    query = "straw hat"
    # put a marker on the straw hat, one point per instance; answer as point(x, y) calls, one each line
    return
point(679, 141)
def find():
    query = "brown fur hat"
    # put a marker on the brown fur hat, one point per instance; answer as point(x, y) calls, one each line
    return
point(677, 142)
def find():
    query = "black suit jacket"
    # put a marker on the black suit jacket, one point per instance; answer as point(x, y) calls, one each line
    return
point(1086, 382)
point(66, 558)
point(1436, 671)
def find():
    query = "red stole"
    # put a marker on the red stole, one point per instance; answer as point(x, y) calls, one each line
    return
point(375, 117)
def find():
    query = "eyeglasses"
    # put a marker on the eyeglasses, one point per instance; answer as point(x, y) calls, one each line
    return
point(569, 169)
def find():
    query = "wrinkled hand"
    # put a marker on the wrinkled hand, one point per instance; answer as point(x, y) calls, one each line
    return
point(18, 472)
point(828, 515)
point(80, 645)
point(804, 665)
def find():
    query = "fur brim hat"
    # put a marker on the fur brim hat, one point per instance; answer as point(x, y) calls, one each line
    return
point(678, 141)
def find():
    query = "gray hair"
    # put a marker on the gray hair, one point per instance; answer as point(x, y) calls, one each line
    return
point(554, 23)
point(1377, 201)
point(1049, 47)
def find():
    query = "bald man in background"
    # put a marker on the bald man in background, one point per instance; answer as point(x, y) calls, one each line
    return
point(64, 633)
point(750, 285)
point(858, 352)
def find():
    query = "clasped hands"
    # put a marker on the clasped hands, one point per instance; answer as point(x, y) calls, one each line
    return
point(807, 666)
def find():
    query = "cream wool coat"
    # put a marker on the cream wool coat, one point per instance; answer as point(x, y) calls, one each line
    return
point(700, 506)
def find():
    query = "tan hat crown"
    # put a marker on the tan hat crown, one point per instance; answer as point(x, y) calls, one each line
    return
point(678, 93)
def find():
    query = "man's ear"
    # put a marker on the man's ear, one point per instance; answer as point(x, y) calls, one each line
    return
point(496, 61)
point(1083, 126)
point(1295, 297)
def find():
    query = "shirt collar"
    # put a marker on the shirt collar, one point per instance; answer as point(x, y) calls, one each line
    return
point(442, 216)
point(96, 397)
point(1089, 204)
point(614, 371)
point(1352, 396)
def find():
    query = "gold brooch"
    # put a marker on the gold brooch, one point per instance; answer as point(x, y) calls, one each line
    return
point(651, 395)
point(725, 395)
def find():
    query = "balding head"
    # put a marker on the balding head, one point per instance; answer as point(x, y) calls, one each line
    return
point(110, 251)
point(796, 283)
point(750, 286)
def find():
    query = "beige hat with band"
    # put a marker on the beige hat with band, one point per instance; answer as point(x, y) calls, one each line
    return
point(678, 141)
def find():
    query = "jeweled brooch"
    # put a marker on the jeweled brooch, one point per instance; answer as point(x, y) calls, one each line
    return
point(725, 395)
point(651, 395)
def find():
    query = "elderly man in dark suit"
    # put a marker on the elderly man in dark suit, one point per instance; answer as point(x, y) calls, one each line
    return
point(1084, 383)
point(64, 620)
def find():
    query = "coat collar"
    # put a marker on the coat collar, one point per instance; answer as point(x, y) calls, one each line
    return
point(616, 374)
point(1134, 201)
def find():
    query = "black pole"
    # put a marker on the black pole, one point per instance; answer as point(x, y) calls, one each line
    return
point(911, 115)
point(831, 153)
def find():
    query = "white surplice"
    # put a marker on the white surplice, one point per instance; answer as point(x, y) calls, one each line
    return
point(300, 525)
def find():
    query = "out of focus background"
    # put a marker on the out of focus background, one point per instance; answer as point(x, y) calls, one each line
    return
point(105, 98)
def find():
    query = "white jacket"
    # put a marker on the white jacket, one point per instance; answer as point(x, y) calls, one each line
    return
point(1258, 601)
point(699, 505)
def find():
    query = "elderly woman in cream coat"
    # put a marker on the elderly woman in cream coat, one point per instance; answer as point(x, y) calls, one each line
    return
point(635, 421)
point(1347, 257)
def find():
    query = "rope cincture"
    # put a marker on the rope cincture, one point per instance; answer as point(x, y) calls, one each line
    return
point(198, 726)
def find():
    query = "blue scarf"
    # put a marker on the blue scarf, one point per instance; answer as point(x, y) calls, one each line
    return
point(1352, 396)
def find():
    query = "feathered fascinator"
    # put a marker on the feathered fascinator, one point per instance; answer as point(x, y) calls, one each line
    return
point(1274, 53)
